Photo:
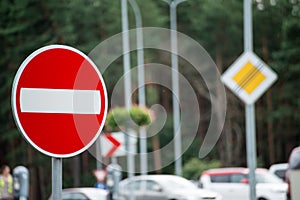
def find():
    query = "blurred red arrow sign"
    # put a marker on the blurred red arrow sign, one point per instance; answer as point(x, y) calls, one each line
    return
point(113, 145)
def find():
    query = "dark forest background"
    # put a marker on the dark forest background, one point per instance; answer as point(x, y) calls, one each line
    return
point(216, 24)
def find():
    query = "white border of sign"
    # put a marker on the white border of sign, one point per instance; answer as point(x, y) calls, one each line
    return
point(14, 106)
point(227, 77)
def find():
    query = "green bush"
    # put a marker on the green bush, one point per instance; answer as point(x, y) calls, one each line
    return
point(140, 116)
point(194, 167)
point(115, 115)
point(119, 116)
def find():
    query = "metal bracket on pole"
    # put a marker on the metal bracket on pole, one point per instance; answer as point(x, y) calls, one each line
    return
point(56, 178)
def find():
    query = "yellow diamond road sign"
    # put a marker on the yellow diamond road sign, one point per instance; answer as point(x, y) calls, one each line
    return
point(249, 77)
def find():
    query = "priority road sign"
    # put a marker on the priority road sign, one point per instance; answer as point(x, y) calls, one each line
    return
point(59, 101)
point(249, 77)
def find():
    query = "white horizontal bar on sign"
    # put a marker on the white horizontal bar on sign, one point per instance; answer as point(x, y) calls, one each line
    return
point(40, 100)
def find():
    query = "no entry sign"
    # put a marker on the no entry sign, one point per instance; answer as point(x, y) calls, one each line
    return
point(59, 101)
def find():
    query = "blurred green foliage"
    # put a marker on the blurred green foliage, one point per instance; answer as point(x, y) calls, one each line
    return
point(141, 116)
point(120, 116)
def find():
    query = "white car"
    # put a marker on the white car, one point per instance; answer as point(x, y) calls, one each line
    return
point(163, 187)
point(232, 184)
point(84, 194)
point(279, 170)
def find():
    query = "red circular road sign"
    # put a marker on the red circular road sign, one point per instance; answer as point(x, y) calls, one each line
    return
point(59, 101)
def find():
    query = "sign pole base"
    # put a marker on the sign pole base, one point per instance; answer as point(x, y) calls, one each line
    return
point(56, 178)
point(251, 148)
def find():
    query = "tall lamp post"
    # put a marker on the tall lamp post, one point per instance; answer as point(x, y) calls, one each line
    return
point(127, 82)
point(175, 85)
point(141, 82)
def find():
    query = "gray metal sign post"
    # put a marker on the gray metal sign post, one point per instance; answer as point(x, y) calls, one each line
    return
point(250, 109)
point(251, 148)
point(56, 178)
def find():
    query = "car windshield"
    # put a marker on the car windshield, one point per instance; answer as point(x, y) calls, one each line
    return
point(177, 183)
point(281, 173)
point(267, 178)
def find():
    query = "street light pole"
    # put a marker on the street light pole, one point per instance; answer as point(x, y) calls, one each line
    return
point(175, 85)
point(141, 83)
point(127, 83)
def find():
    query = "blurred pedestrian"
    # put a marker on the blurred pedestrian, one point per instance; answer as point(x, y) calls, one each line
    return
point(6, 183)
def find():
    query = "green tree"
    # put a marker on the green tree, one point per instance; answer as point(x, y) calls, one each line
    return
point(217, 26)
point(269, 13)
point(287, 64)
